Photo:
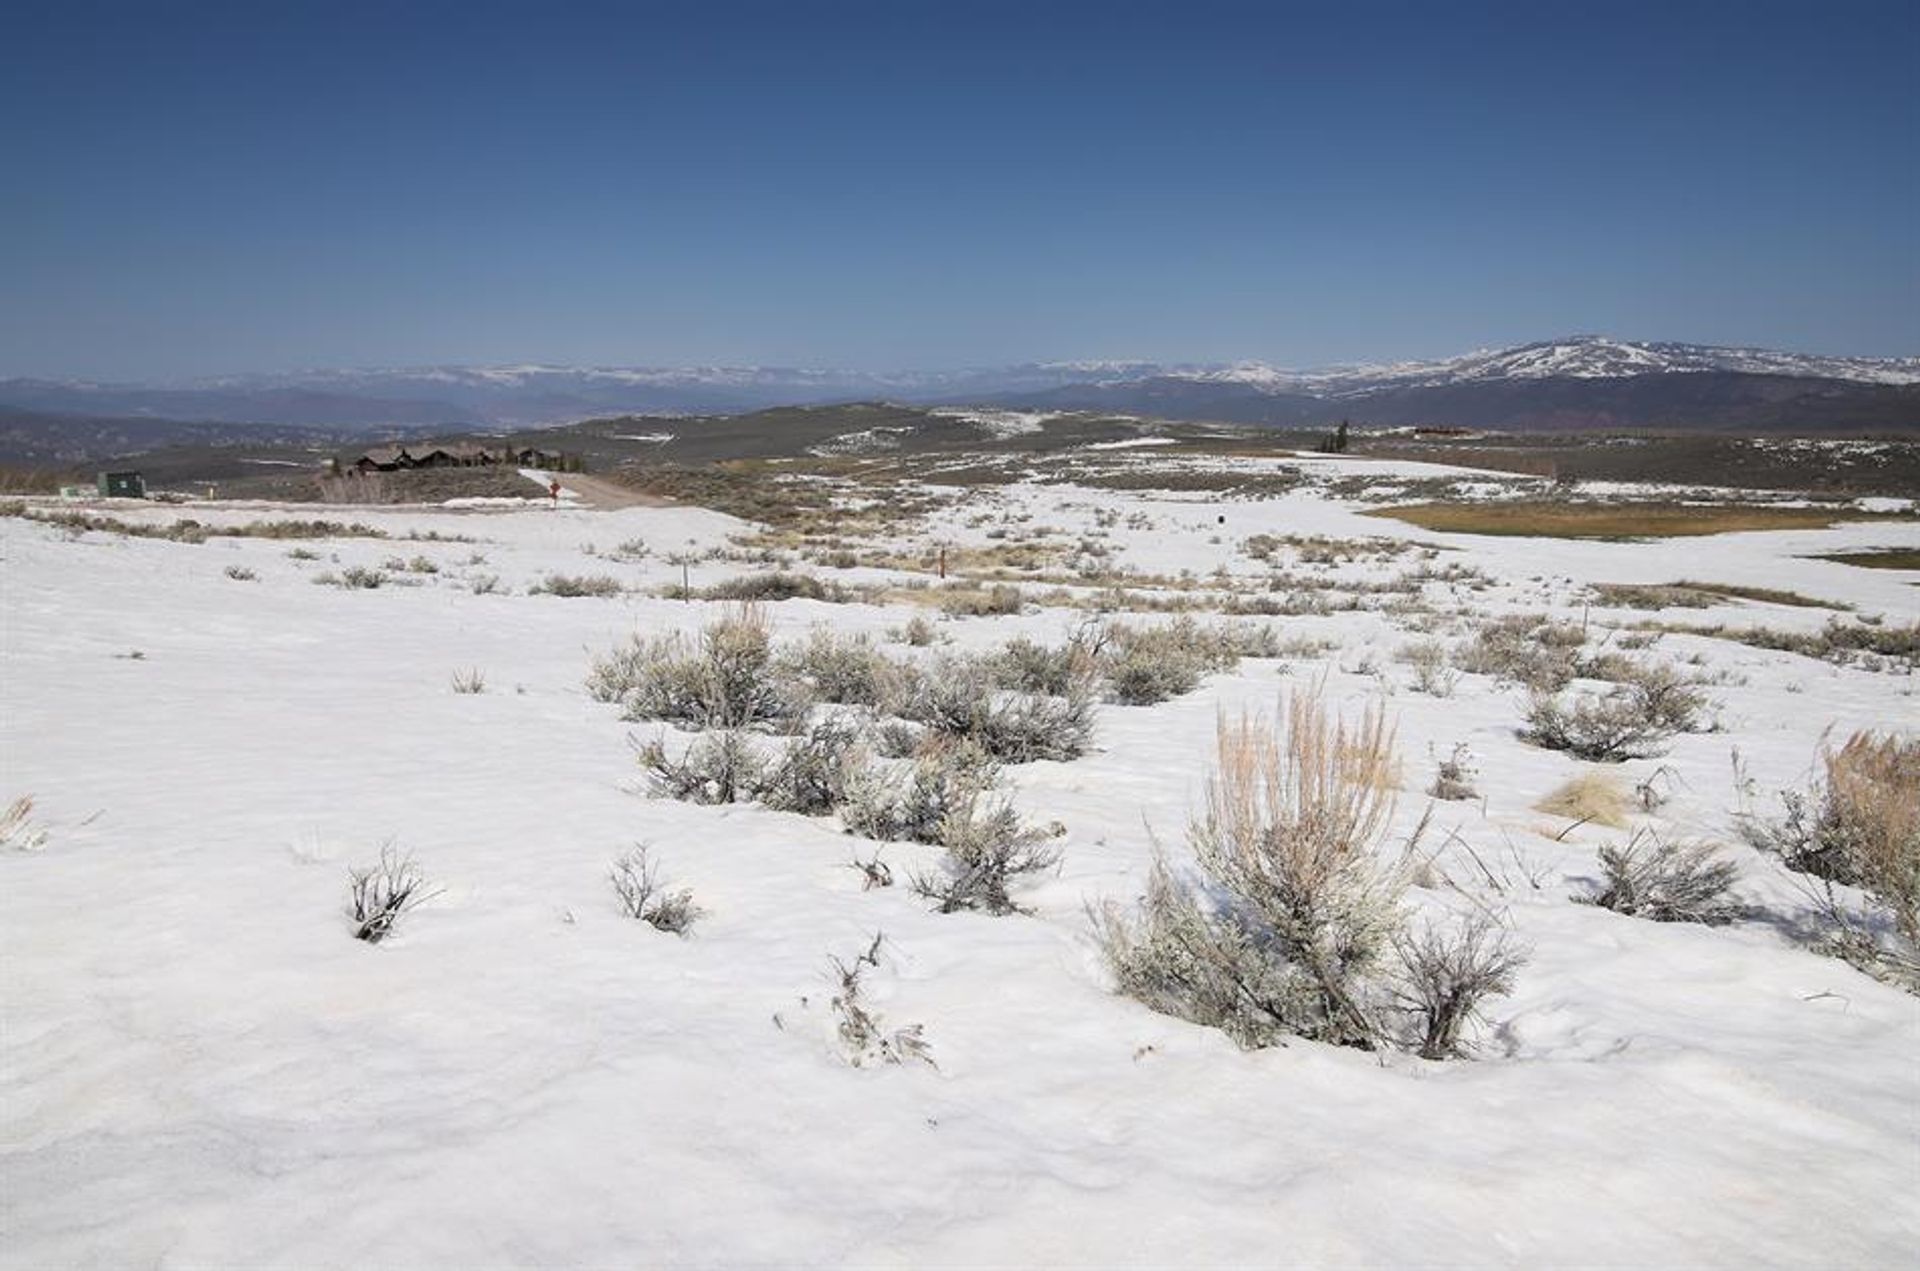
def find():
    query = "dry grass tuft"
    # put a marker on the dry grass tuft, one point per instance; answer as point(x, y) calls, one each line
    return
point(1872, 820)
point(18, 833)
point(1860, 827)
point(1592, 797)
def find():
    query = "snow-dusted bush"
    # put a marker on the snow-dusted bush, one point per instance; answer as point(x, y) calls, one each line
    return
point(987, 849)
point(1026, 666)
point(723, 680)
point(959, 698)
point(470, 682)
point(1453, 779)
point(950, 797)
point(811, 775)
point(353, 578)
point(241, 574)
point(1525, 649)
point(379, 895)
point(863, 1035)
point(1633, 721)
point(899, 738)
point(775, 587)
point(1140, 677)
point(577, 585)
point(719, 767)
point(847, 670)
point(1182, 955)
point(919, 632)
point(1145, 665)
point(1646, 877)
point(635, 881)
point(1300, 914)
point(883, 803)
point(1433, 672)
point(1445, 974)
point(963, 601)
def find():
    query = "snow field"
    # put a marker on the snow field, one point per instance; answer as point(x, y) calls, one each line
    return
point(201, 1067)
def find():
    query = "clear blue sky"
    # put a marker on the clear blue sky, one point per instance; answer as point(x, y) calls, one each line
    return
point(195, 188)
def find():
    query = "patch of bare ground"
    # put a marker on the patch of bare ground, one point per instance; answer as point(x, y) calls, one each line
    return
point(1887, 558)
point(1544, 519)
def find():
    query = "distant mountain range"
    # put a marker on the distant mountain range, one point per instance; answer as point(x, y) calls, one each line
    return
point(1579, 382)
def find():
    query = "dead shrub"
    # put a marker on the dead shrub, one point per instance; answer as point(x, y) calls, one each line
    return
point(379, 895)
point(1667, 882)
point(864, 1037)
point(635, 880)
point(1444, 975)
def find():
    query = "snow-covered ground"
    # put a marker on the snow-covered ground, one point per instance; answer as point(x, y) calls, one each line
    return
point(202, 1068)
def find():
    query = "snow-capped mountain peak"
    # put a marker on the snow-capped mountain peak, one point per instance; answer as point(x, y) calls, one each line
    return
point(1587, 357)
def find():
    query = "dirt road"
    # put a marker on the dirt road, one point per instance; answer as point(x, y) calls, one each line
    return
point(597, 492)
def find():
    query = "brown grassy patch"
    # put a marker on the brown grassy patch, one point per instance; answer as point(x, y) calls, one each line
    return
point(1887, 558)
point(1535, 519)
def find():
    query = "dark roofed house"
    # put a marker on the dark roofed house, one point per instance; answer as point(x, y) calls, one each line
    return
point(453, 455)
point(383, 459)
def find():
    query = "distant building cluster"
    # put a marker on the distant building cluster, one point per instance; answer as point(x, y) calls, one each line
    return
point(403, 458)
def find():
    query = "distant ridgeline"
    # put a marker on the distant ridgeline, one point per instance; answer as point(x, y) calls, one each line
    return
point(1576, 383)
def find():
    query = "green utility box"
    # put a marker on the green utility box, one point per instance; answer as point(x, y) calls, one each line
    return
point(123, 485)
